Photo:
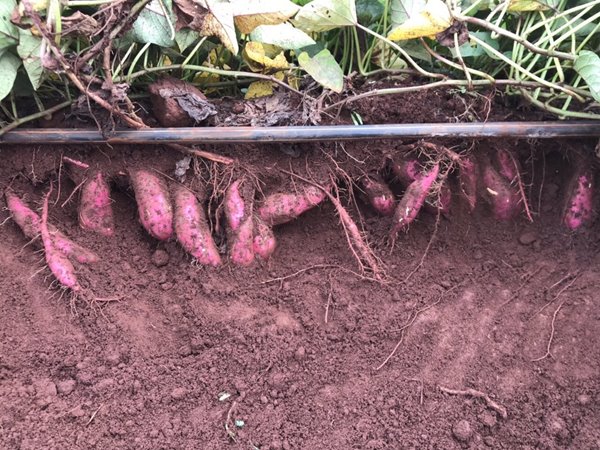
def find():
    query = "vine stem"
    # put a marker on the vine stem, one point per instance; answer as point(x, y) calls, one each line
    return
point(514, 37)
point(31, 117)
point(227, 73)
point(402, 52)
point(436, 84)
point(522, 69)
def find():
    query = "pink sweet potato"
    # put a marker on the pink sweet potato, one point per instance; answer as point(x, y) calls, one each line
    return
point(413, 200)
point(239, 203)
point(95, 208)
point(441, 200)
point(154, 204)
point(379, 194)
point(24, 217)
point(58, 263)
point(30, 223)
point(468, 180)
point(192, 230)
point(406, 170)
point(506, 164)
point(503, 198)
point(580, 198)
point(264, 239)
point(277, 209)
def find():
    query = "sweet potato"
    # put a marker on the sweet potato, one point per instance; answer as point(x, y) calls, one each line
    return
point(154, 204)
point(58, 263)
point(278, 209)
point(501, 195)
point(27, 220)
point(507, 164)
point(192, 230)
point(468, 180)
point(379, 194)
point(30, 223)
point(239, 203)
point(264, 239)
point(95, 209)
point(413, 200)
point(406, 170)
point(441, 200)
point(579, 200)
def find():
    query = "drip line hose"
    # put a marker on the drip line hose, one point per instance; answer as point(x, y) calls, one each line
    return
point(226, 135)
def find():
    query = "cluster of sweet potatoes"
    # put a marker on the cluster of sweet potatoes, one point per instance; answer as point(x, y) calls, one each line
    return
point(170, 211)
point(494, 178)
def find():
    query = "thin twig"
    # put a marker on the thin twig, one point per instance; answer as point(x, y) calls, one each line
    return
point(551, 338)
point(478, 394)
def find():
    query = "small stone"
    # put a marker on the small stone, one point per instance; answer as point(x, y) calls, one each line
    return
point(178, 393)
point(300, 353)
point(264, 400)
point(584, 399)
point(104, 384)
point(84, 377)
point(477, 255)
point(557, 427)
point(160, 258)
point(167, 286)
point(462, 431)
point(113, 358)
point(528, 238)
point(45, 388)
point(153, 434)
point(66, 387)
point(185, 350)
point(488, 419)
point(77, 412)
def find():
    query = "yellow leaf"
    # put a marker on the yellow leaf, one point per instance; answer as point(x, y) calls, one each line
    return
point(256, 56)
point(167, 61)
point(259, 89)
point(527, 5)
point(204, 78)
point(433, 19)
point(249, 14)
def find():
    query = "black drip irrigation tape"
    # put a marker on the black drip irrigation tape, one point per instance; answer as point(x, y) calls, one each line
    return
point(226, 135)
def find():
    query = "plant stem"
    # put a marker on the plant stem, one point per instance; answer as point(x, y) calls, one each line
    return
point(226, 73)
point(38, 115)
point(521, 69)
point(557, 111)
point(402, 52)
point(514, 37)
point(433, 85)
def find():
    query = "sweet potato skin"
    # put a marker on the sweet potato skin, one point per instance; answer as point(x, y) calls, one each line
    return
point(406, 170)
point(154, 204)
point(264, 239)
point(95, 207)
point(277, 209)
point(30, 223)
point(469, 180)
point(413, 200)
point(378, 194)
point(578, 210)
point(503, 198)
point(191, 228)
point(27, 220)
point(239, 206)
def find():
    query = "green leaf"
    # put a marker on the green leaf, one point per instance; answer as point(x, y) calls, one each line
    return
point(8, 31)
point(369, 11)
point(283, 35)
point(324, 69)
point(29, 51)
point(186, 37)
point(9, 64)
point(415, 49)
point(324, 15)
point(587, 65)
point(402, 10)
point(469, 49)
point(152, 25)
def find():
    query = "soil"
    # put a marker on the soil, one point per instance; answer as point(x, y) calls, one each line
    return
point(287, 354)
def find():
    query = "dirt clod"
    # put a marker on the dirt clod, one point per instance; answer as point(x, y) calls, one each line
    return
point(160, 258)
point(65, 387)
point(179, 393)
point(528, 237)
point(584, 399)
point(462, 431)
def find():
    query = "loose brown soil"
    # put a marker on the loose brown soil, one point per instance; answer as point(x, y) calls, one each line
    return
point(197, 358)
